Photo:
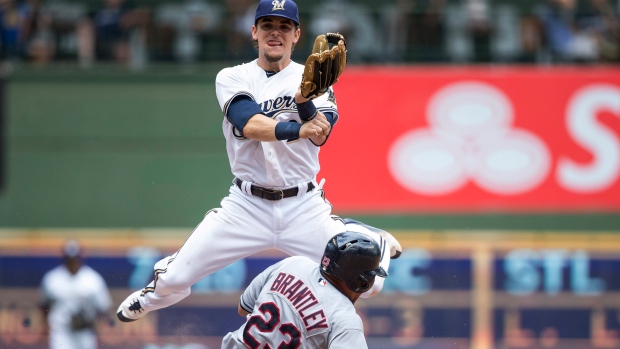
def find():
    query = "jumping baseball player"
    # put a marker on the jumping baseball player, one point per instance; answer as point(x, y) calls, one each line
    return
point(299, 303)
point(273, 136)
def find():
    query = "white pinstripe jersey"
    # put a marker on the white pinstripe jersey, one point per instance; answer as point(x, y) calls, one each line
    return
point(278, 164)
point(293, 306)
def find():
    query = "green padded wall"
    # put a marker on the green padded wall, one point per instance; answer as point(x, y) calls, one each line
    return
point(117, 149)
point(115, 152)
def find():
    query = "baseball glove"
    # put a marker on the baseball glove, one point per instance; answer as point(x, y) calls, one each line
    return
point(324, 65)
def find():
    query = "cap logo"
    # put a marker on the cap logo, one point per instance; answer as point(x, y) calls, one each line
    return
point(278, 5)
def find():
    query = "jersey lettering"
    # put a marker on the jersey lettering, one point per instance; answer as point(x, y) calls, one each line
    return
point(260, 323)
point(278, 281)
point(293, 332)
point(320, 323)
point(266, 327)
point(273, 106)
point(287, 281)
point(304, 295)
point(304, 301)
point(291, 290)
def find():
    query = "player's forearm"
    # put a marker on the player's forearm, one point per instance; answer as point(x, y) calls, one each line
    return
point(241, 311)
point(264, 129)
point(260, 128)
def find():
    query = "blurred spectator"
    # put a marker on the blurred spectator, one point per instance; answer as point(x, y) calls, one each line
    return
point(414, 30)
point(600, 18)
point(116, 32)
point(395, 22)
point(469, 31)
point(68, 20)
point(506, 42)
point(10, 30)
point(239, 21)
point(186, 24)
point(352, 20)
point(73, 297)
point(567, 40)
point(394, 31)
point(112, 24)
point(531, 36)
point(480, 28)
point(37, 32)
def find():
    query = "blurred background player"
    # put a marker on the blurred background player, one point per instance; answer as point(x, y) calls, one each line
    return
point(73, 297)
point(304, 304)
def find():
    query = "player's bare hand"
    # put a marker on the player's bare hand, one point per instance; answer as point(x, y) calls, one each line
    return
point(321, 120)
point(310, 129)
point(317, 127)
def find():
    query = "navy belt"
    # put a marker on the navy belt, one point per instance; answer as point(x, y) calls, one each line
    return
point(273, 194)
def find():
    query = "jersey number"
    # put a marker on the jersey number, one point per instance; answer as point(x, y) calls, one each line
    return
point(268, 326)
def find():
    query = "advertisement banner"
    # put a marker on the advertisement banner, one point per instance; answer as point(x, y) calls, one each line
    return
point(450, 139)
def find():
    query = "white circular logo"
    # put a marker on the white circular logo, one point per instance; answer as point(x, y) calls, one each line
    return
point(470, 138)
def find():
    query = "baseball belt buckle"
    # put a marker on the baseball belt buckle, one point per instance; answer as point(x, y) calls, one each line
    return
point(273, 194)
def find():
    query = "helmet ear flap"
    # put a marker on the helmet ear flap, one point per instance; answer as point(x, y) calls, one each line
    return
point(364, 285)
point(359, 284)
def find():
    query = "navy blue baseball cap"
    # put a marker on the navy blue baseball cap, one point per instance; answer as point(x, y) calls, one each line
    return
point(71, 249)
point(279, 8)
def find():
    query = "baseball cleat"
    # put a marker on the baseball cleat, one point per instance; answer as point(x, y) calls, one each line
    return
point(395, 248)
point(131, 309)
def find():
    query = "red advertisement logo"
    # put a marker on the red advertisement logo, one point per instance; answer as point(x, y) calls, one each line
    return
point(519, 139)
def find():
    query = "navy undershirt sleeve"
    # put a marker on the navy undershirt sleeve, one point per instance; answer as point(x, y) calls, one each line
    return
point(330, 117)
point(240, 110)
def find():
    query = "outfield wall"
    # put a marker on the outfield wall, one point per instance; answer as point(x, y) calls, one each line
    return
point(535, 148)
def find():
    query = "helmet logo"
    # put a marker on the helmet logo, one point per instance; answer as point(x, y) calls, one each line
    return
point(325, 262)
point(278, 5)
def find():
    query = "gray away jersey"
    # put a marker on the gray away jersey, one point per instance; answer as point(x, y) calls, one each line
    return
point(293, 306)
